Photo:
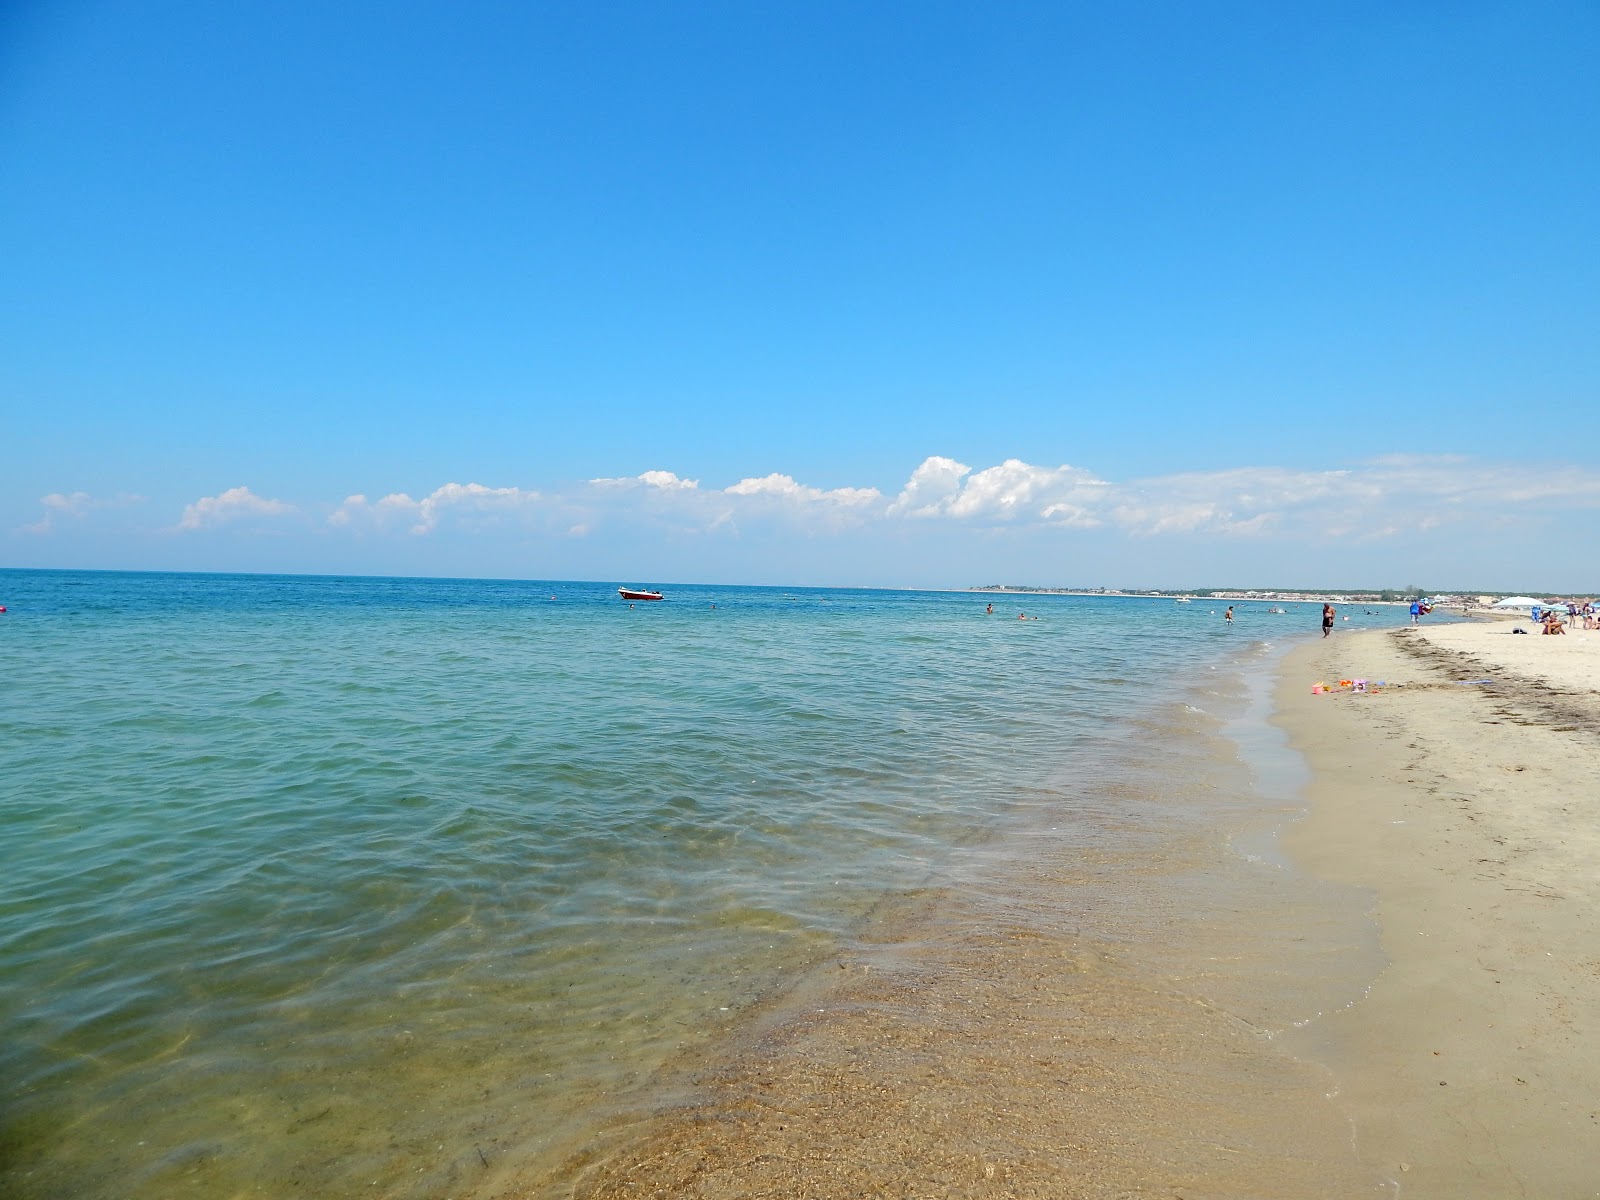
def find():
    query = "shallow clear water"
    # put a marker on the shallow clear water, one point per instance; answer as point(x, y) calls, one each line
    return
point(327, 883)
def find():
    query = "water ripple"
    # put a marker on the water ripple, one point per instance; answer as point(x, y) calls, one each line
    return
point(406, 853)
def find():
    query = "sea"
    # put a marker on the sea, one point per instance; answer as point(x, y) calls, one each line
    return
point(362, 886)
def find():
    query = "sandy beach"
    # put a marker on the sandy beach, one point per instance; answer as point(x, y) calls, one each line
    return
point(1471, 811)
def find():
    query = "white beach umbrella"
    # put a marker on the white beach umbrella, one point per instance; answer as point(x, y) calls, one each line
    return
point(1519, 602)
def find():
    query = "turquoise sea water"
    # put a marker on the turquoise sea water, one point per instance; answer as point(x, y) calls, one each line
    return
point(338, 886)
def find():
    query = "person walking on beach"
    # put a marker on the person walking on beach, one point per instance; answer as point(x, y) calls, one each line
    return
point(1228, 616)
point(1416, 612)
point(1327, 619)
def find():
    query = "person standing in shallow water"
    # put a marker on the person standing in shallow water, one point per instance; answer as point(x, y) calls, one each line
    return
point(1327, 619)
point(1228, 616)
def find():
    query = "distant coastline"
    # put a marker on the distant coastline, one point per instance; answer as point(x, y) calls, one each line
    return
point(1007, 589)
point(1462, 600)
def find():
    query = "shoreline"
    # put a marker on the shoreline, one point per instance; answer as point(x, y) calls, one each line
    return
point(1470, 813)
point(1392, 1000)
point(1091, 1011)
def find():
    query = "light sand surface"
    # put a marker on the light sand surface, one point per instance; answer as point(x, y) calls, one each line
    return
point(1569, 661)
point(1472, 812)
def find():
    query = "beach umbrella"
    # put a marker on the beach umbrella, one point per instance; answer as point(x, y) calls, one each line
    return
point(1519, 602)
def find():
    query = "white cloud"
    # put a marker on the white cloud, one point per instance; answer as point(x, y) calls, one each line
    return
point(210, 511)
point(353, 504)
point(1395, 496)
point(746, 505)
point(58, 505)
point(71, 504)
point(1455, 481)
point(1012, 491)
point(931, 486)
point(1238, 502)
point(1382, 498)
point(666, 480)
point(1015, 489)
point(1076, 516)
point(423, 516)
point(74, 506)
point(784, 487)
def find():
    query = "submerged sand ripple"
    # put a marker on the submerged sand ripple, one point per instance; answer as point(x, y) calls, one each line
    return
point(1025, 1066)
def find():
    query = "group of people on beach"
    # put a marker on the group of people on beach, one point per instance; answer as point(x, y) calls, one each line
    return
point(1558, 618)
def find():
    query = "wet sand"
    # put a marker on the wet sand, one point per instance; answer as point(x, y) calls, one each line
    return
point(1094, 1011)
point(1471, 812)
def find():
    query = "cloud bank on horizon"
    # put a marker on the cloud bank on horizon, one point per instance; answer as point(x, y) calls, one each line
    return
point(1381, 498)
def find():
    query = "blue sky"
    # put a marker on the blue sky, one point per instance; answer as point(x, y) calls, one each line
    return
point(922, 294)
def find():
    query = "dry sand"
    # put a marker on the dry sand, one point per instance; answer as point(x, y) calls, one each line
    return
point(1472, 812)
